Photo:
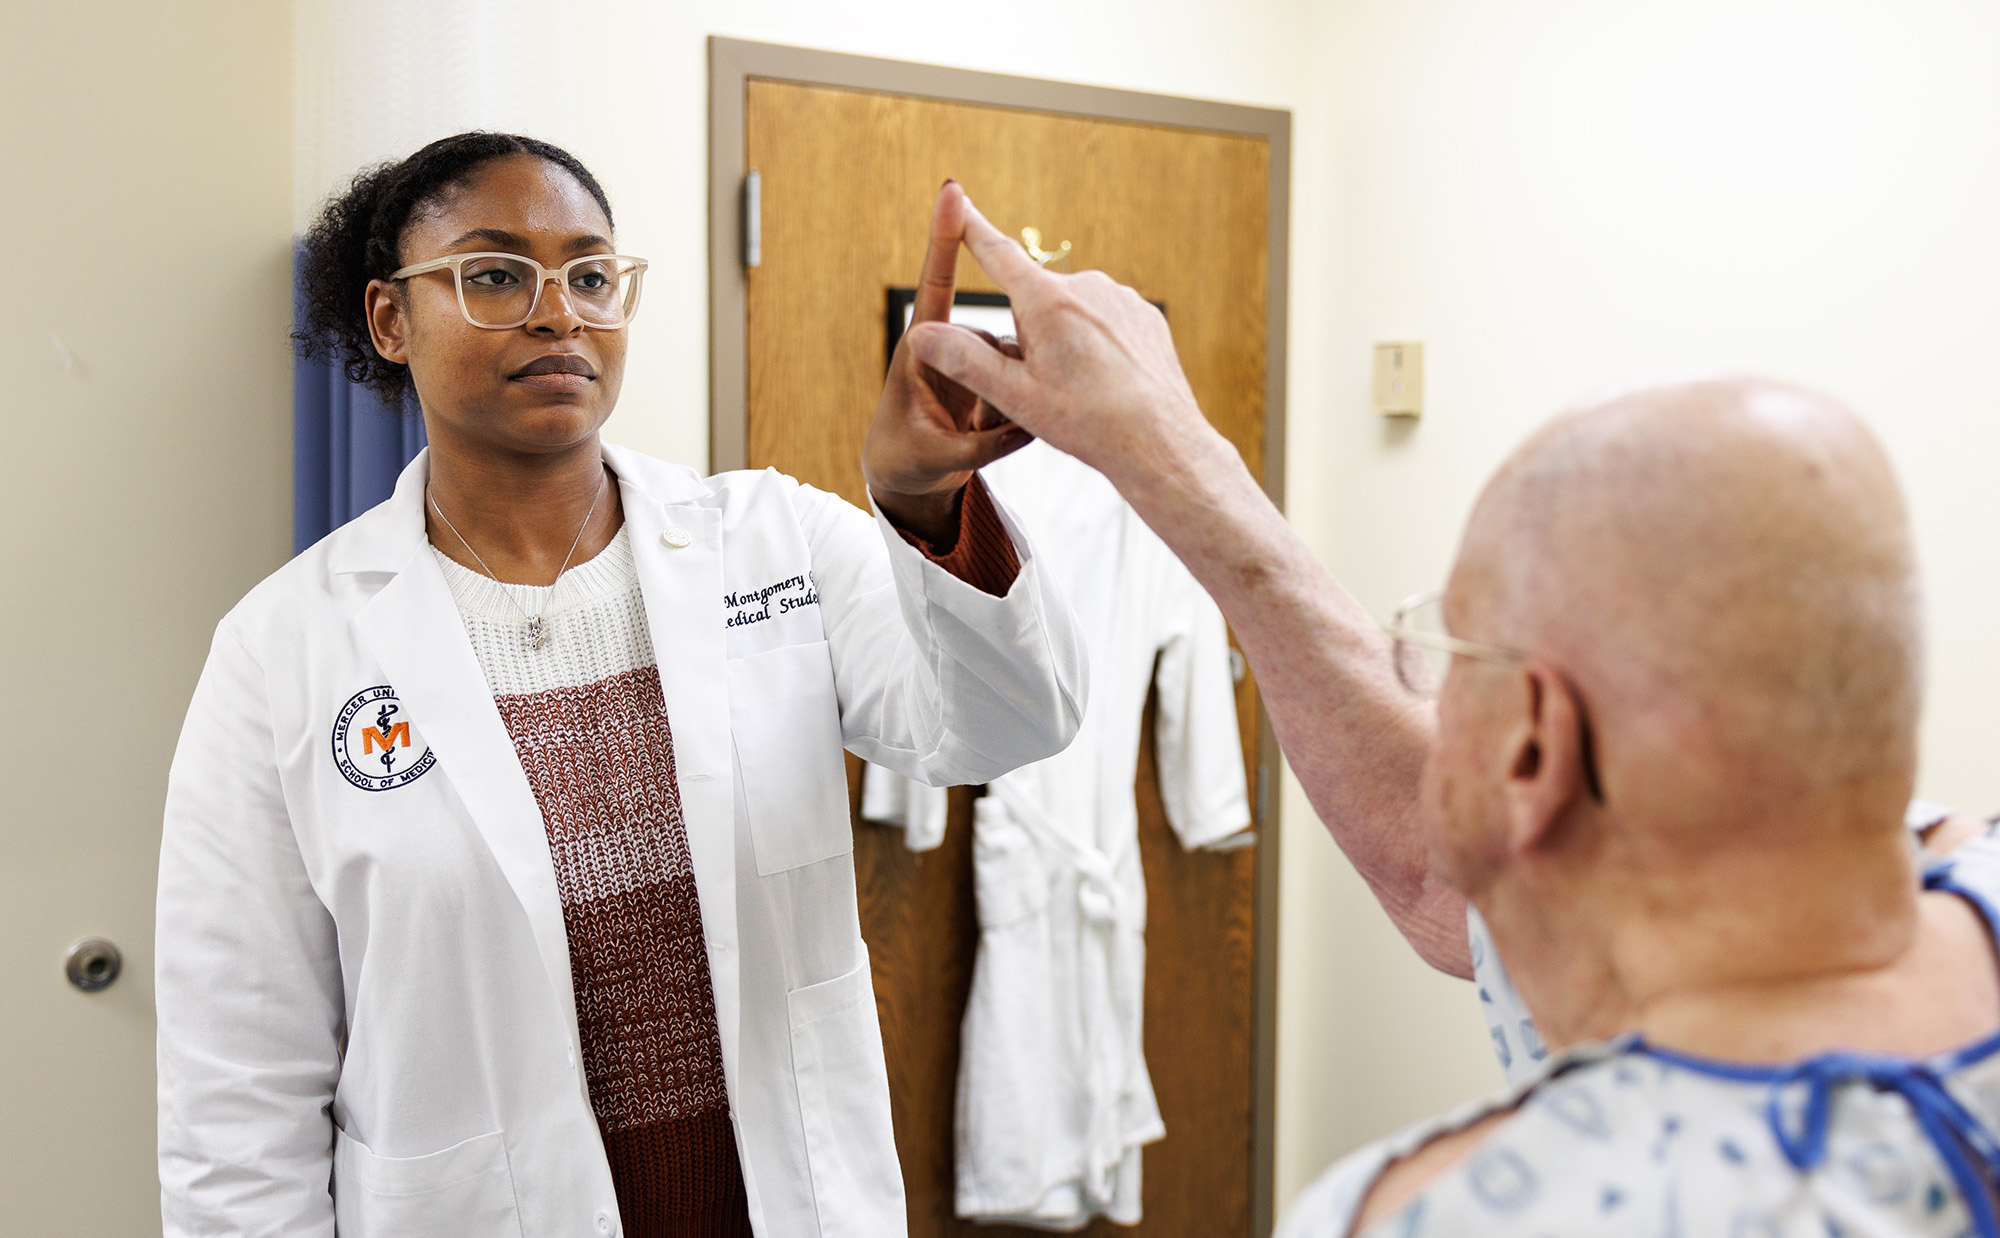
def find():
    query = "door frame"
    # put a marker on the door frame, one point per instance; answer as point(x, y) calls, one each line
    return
point(732, 65)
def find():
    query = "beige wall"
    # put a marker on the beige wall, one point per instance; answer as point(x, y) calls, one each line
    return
point(1558, 194)
point(143, 492)
point(1582, 192)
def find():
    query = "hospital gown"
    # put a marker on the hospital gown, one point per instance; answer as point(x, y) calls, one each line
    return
point(1626, 1138)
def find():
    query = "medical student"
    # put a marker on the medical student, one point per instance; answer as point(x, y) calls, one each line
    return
point(507, 884)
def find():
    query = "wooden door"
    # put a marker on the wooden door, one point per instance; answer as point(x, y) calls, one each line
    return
point(846, 183)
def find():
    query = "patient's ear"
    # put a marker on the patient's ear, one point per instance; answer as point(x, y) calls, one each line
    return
point(1547, 767)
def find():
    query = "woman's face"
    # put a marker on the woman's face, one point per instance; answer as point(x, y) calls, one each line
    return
point(543, 386)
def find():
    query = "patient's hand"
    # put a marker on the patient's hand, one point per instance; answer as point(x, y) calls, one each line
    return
point(1099, 377)
point(930, 434)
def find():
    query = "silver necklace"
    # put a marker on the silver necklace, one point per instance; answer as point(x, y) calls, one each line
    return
point(538, 632)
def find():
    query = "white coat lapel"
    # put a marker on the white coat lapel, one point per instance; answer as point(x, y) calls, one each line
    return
point(678, 547)
point(413, 628)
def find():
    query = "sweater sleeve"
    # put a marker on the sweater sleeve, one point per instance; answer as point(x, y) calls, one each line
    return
point(982, 555)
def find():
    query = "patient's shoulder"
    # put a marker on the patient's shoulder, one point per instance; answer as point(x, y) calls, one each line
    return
point(1385, 1179)
point(1404, 1179)
point(1352, 1194)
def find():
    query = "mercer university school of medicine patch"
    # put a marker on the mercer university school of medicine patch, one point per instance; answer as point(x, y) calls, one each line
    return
point(374, 745)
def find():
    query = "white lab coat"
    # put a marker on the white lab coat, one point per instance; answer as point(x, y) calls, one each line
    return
point(1054, 1101)
point(366, 983)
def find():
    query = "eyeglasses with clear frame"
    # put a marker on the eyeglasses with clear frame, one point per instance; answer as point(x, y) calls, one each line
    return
point(1423, 649)
point(498, 291)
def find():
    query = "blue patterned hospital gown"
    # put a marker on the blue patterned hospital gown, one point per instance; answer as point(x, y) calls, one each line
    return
point(1624, 1138)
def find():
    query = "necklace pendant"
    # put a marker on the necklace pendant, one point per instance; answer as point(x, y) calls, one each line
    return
point(538, 634)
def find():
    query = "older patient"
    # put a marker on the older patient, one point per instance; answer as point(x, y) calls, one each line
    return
point(1670, 769)
point(1672, 775)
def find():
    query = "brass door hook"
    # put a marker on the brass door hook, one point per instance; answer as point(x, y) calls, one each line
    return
point(1031, 240)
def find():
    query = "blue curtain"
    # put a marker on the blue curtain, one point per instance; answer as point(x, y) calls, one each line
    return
point(347, 448)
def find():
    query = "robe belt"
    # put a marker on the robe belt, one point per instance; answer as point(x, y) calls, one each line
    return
point(1099, 897)
point(1969, 1150)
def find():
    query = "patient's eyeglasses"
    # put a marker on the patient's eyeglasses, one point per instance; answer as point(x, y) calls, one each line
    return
point(500, 291)
point(1423, 651)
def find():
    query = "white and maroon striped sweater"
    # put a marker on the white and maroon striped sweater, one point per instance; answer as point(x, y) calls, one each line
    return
point(589, 725)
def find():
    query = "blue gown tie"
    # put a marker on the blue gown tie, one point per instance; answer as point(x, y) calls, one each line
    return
point(1970, 1151)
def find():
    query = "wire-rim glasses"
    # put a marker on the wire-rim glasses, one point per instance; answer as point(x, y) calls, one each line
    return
point(1423, 649)
point(501, 291)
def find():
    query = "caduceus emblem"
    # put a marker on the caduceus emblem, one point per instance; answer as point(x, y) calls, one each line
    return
point(389, 710)
point(372, 723)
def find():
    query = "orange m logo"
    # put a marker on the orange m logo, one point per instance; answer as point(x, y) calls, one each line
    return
point(375, 737)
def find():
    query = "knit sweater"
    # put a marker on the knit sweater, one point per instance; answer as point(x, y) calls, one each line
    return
point(590, 727)
point(589, 724)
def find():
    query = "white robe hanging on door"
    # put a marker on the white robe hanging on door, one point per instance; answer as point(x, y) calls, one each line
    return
point(1054, 1101)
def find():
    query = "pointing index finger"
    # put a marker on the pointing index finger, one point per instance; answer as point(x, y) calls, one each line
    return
point(940, 275)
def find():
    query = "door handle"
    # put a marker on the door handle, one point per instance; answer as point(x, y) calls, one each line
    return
point(93, 963)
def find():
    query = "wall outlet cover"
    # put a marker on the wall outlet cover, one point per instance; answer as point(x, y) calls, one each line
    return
point(1399, 379)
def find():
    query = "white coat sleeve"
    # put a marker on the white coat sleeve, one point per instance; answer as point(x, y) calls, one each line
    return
point(938, 680)
point(248, 981)
point(1199, 749)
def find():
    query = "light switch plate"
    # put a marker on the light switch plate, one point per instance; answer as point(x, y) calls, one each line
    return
point(1399, 379)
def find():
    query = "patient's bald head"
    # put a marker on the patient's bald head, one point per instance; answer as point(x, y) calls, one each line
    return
point(1723, 568)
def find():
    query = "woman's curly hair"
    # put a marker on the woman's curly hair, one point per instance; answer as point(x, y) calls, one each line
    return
point(358, 238)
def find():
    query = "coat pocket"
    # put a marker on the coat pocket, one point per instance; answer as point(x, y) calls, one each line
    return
point(844, 1105)
point(785, 717)
point(466, 1189)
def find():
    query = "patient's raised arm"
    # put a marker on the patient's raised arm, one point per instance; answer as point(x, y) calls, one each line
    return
point(1098, 377)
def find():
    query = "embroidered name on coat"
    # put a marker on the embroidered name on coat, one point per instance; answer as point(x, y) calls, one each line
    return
point(755, 605)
